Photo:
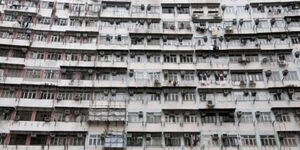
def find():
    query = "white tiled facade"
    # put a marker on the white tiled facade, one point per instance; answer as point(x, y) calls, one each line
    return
point(150, 74)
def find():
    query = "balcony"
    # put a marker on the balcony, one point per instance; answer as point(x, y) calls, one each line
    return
point(43, 126)
point(16, 7)
point(33, 147)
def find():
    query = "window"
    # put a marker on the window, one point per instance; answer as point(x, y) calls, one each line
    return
point(168, 10)
point(248, 140)
point(154, 96)
point(30, 73)
point(186, 58)
point(8, 93)
point(153, 117)
point(170, 59)
point(154, 140)
point(191, 139)
point(154, 76)
point(56, 38)
point(28, 94)
point(154, 59)
point(265, 117)
point(238, 77)
point(183, 10)
point(24, 115)
point(67, 95)
point(38, 140)
point(188, 76)
point(18, 139)
point(189, 96)
point(74, 140)
point(61, 22)
point(274, 76)
point(103, 76)
point(59, 140)
point(44, 20)
point(282, 116)
point(136, 139)
point(50, 74)
point(230, 141)
point(54, 56)
point(208, 118)
point(42, 115)
point(268, 140)
point(172, 76)
point(172, 118)
point(135, 117)
point(255, 76)
point(14, 73)
point(247, 117)
point(291, 76)
point(84, 95)
point(226, 117)
point(95, 139)
point(37, 55)
point(189, 118)
point(47, 95)
point(172, 139)
point(171, 97)
point(288, 140)
point(203, 76)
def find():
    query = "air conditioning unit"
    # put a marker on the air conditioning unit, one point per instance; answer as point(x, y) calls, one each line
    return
point(224, 135)
point(59, 97)
point(282, 63)
point(264, 60)
point(52, 135)
point(186, 135)
point(106, 92)
point(243, 60)
point(268, 73)
point(246, 93)
point(242, 83)
point(77, 98)
point(215, 136)
point(291, 91)
point(210, 103)
point(113, 92)
point(76, 112)
point(148, 135)
point(167, 135)
point(140, 114)
point(67, 111)
point(47, 119)
point(174, 83)
point(239, 114)
point(157, 83)
point(225, 92)
point(257, 114)
point(18, 117)
point(131, 72)
point(90, 71)
point(252, 83)
point(79, 135)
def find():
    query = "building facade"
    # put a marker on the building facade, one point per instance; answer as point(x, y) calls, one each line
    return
point(150, 74)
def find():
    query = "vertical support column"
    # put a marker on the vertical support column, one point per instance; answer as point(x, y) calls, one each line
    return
point(28, 139)
point(33, 115)
point(13, 115)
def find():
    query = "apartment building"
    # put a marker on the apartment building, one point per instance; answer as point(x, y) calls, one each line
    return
point(150, 75)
